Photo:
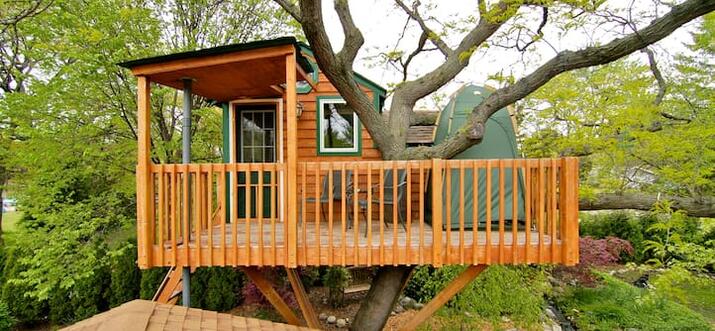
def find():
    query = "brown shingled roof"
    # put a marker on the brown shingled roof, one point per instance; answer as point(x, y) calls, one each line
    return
point(148, 315)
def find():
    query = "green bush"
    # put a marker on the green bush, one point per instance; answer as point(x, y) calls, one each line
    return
point(516, 291)
point(83, 299)
point(692, 290)
point(6, 320)
point(124, 274)
point(150, 281)
point(216, 288)
point(337, 280)
point(617, 305)
point(26, 310)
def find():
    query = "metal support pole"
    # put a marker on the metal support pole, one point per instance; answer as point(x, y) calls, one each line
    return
point(186, 159)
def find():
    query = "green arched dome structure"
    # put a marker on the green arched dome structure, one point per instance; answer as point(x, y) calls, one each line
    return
point(499, 143)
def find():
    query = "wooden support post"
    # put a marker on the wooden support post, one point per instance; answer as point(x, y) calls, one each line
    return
point(266, 287)
point(292, 158)
point(305, 306)
point(443, 296)
point(569, 211)
point(145, 240)
point(437, 212)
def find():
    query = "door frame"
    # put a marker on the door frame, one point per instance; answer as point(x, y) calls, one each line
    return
point(232, 113)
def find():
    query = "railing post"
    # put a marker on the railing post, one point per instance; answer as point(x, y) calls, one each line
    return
point(292, 166)
point(437, 212)
point(569, 210)
point(144, 198)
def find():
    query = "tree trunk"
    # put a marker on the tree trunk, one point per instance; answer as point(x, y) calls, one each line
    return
point(703, 206)
point(384, 292)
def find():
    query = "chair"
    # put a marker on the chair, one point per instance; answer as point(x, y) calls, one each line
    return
point(337, 190)
point(388, 198)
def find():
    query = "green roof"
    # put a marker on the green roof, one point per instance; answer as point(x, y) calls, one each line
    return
point(223, 50)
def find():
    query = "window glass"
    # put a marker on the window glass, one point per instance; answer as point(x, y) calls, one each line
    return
point(339, 127)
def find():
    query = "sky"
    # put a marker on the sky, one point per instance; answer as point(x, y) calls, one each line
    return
point(381, 23)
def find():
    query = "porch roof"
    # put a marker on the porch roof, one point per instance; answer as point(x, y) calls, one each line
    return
point(223, 73)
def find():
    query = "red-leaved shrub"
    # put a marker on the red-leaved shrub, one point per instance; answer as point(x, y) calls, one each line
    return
point(602, 252)
point(595, 253)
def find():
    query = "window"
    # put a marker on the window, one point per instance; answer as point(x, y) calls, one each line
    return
point(339, 127)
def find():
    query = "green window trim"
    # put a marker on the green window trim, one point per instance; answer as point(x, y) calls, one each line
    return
point(319, 132)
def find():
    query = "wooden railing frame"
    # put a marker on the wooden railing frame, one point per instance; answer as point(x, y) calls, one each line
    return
point(547, 234)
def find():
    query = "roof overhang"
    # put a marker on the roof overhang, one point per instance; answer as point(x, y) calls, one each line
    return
point(230, 72)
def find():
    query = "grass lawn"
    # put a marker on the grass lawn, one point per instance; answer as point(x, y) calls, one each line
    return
point(9, 220)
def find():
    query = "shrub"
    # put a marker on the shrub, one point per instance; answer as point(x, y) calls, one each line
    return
point(26, 310)
point(602, 252)
point(622, 225)
point(216, 288)
point(516, 291)
point(83, 299)
point(6, 320)
point(124, 274)
point(337, 280)
point(617, 305)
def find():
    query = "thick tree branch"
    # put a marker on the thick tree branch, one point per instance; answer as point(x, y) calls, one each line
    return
point(431, 35)
point(473, 132)
point(701, 207)
point(353, 37)
point(662, 86)
point(341, 74)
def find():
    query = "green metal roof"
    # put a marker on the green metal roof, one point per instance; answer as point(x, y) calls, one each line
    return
point(302, 61)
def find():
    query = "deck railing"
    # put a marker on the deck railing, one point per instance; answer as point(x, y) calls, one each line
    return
point(366, 213)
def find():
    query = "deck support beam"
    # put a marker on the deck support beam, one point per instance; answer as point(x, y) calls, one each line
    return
point(144, 235)
point(292, 164)
point(186, 159)
point(443, 296)
point(268, 291)
point(305, 306)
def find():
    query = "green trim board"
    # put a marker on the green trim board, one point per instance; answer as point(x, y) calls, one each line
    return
point(319, 131)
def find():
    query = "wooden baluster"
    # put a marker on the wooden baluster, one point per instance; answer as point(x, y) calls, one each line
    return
point(209, 213)
point(174, 211)
point(448, 207)
point(331, 195)
point(304, 209)
point(273, 192)
point(527, 210)
point(198, 212)
point(224, 209)
point(421, 199)
point(552, 211)
point(475, 212)
point(540, 208)
point(569, 210)
point(381, 183)
point(343, 213)
point(408, 212)
point(488, 234)
point(259, 212)
point(461, 212)
point(234, 213)
point(249, 191)
point(514, 211)
point(318, 212)
point(501, 211)
point(162, 213)
point(356, 224)
point(437, 212)
point(395, 239)
point(369, 214)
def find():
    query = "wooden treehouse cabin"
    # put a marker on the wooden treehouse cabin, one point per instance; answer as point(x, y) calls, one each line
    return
point(302, 183)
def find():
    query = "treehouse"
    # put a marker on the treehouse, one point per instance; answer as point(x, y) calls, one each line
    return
point(303, 184)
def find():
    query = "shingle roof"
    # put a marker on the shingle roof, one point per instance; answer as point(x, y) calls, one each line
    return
point(149, 315)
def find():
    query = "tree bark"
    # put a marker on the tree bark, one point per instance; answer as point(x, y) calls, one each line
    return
point(696, 207)
point(384, 292)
